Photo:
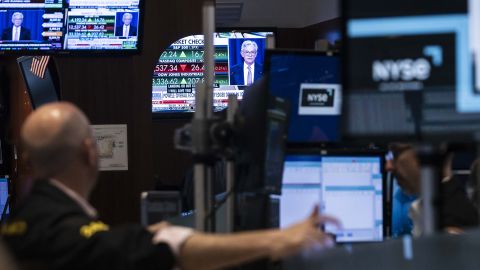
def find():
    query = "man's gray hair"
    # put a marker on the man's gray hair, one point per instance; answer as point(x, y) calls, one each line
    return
point(249, 43)
point(127, 14)
point(17, 14)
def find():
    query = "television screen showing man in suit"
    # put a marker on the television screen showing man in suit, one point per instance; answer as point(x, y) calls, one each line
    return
point(247, 68)
point(128, 27)
point(16, 32)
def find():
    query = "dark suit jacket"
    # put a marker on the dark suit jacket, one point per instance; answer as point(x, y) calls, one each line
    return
point(24, 34)
point(236, 74)
point(132, 32)
point(52, 229)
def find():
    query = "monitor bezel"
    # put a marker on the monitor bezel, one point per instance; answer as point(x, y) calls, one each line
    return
point(357, 152)
point(464, 138)
point(306, 52)
point(93, 52)
point(160, 116)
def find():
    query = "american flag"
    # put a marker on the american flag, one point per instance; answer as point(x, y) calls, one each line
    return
point(39, 65)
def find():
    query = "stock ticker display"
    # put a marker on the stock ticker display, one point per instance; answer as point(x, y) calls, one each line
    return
point(180, 67)
point(69, 25)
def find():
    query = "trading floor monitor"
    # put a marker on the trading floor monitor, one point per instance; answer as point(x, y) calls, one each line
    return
point(311, 82)
point(347, 186)
point(408, 72)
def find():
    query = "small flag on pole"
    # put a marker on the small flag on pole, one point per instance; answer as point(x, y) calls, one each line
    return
point(39, 65)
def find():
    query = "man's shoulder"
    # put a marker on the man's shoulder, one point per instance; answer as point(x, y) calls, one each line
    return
point(44, 201)
point(237, 67)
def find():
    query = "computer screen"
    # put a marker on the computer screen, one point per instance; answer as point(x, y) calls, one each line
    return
point(311, 82)
point(4, 195)
point(239, 58)
point(408, 68)
point(349, 187)
point(102, 25)
point(31, 25)
point(49, 26)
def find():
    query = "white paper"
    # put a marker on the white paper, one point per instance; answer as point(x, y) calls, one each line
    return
point(112, 147)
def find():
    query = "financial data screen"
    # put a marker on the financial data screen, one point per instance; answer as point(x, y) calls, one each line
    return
point(180, 67)
point(69, 25)
point(347, 187)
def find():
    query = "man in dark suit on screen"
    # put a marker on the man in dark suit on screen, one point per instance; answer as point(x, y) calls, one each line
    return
point(248, 71)
point(126, 29)
point(17, 32)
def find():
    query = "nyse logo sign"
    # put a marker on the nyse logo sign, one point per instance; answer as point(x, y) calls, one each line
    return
point(407, 73)
point(319, 99)
point(404, 69)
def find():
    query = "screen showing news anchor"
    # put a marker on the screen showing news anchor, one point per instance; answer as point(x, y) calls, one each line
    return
point(246, 60)
point(180, 68)
point(126, 24)
point(102, 25)
point(29, 26)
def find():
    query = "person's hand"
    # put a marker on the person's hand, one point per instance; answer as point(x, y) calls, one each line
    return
point(154, 228)
point(303, 236)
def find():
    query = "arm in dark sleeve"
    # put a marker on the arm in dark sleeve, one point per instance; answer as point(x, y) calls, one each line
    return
point(127, 247)
point(83, 244)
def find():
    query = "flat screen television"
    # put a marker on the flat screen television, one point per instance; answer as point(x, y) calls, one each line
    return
point(62, 26)
point(311, 82)
point(239, 58)
point(408, 72)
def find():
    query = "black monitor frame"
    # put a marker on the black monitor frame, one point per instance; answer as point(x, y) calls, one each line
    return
point(162, 116)
point(69, 52)
point(357, 152)
point(306, 52)
point(456, 137)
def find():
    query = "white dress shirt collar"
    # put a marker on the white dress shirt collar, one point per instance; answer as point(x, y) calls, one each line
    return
point(86, 207)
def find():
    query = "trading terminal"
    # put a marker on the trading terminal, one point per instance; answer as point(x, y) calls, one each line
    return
point(318, 135)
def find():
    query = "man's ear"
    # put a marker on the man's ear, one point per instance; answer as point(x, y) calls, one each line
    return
point(90, 151)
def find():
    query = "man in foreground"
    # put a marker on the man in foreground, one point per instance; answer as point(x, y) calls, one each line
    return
point(57, 226)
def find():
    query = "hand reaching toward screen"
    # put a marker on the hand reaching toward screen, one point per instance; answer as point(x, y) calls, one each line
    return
point(154, 228)
point(303, 236)
point(209, 251)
